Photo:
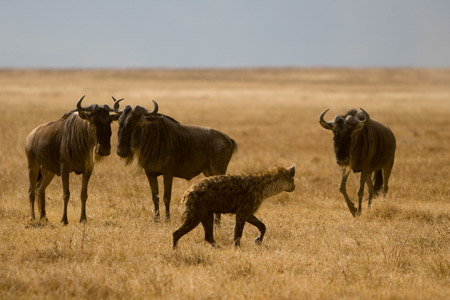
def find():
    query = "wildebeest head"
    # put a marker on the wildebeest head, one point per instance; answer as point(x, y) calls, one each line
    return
point(128, 120)
point(100, 118)
point(343, 127)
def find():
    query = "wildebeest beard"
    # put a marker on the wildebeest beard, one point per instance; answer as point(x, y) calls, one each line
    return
point(103, 146)
point(125, 151)
point(342, 149)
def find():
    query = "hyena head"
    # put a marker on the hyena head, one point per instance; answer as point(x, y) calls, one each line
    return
point(285, 178)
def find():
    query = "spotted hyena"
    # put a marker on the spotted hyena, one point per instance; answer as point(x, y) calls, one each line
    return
point(237, 194)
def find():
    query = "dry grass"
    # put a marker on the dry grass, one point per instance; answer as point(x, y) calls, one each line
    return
point(314, 249)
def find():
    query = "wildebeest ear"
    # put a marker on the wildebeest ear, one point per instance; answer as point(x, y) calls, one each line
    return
point(84, 115)
point(292, 170)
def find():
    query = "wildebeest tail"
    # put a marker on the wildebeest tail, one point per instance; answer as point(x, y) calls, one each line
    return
point(377, 181)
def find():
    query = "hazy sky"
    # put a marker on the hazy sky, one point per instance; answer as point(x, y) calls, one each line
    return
point(221, 33)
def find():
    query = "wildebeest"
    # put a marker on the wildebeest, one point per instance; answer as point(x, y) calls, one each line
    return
point(163, 146)
point(237, 194)
point(364, 145)
point(66, 146)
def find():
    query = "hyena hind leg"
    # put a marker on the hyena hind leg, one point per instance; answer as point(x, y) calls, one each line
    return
point(189, 224)
point(260, 225)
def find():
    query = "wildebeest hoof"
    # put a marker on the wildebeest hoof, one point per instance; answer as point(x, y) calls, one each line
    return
point(215, 245)
point(64, 221)
point(157, 219)
point(258, 241)
point(83, 220)
point(44, 220)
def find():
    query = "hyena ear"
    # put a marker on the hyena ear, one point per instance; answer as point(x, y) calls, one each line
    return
point(292, 170)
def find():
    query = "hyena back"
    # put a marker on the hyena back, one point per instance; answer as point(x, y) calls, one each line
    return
point(237, 194)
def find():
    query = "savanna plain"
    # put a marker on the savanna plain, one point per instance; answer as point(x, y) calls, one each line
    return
point(313, 248)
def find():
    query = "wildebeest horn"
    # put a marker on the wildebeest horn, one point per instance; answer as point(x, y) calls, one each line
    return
point(116, 105)
point(91, 108)
point(325, 124)
point(366, 115)
point(79, 103)
point(155, 110)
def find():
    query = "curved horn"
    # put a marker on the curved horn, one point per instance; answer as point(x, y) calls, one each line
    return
point(79, 103)
point(366, 115)
point(323, 123)
point(155, 110)
point(116, 105)
point(91, 108)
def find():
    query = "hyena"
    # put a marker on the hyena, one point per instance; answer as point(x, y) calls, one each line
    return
point(237, 194)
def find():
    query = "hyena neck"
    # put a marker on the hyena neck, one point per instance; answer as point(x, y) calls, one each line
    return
point(271, 186)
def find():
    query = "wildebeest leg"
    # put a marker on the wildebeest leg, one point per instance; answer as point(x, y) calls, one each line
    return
point(217, 219)
point(167, 193)
point(343, 190)
point(238, 229)
point(207, 223)
point(210, 171)
point(66, 193)
point(45, 180)
point(386, 174)
point(260, 225)
point(33, 173)
point(190, 223)
point(153, 181)
point(362, 182)
point(84, 194)
point(370, 187)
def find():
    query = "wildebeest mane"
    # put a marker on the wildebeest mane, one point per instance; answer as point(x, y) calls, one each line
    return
point(159, 137)
point(77, 138)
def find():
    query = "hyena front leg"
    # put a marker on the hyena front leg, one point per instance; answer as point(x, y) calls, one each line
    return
point(260, 225)
point(238, 229)
point(208, 225)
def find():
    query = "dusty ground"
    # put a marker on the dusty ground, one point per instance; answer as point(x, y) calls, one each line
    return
point(314, 249)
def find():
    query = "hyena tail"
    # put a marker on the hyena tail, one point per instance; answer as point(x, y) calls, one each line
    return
point(377, 181)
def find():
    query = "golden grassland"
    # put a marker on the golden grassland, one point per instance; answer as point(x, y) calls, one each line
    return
point(313, 249)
